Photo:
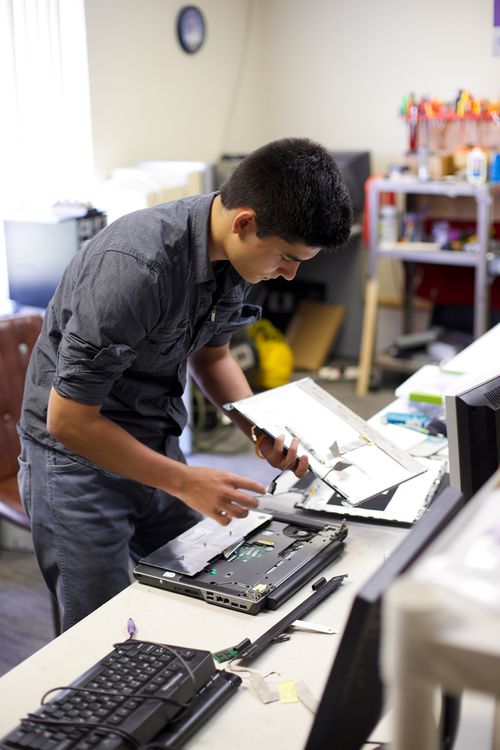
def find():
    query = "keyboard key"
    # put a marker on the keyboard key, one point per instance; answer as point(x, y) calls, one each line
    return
point(133, 668)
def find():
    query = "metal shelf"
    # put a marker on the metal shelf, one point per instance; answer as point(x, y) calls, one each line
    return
point(443, 257)
point(451, 188)
point(485, 264)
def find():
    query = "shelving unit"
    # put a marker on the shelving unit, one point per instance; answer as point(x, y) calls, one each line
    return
point(484, 263)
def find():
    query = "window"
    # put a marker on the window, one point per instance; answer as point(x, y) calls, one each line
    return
point(45, 128)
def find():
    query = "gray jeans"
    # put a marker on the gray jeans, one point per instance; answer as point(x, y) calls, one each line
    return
point(88, 523)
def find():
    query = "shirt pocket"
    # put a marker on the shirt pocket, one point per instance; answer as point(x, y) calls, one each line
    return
point(229, 317)
point(225, 318)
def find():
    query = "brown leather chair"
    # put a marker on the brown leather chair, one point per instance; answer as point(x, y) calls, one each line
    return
point(17, 338)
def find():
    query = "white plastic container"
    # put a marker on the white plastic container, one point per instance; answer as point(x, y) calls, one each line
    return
point(423, 163)
point(477, 166)
point(389, 224)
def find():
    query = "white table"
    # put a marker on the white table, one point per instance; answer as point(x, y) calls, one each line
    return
point(176, 619)
point(179, 620)
point(443, 622)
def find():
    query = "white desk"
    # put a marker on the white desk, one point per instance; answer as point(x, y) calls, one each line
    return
point(442, 623)
point(176, 619)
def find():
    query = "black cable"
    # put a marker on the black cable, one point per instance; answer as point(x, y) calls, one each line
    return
point(115, 694)
point(102, 726)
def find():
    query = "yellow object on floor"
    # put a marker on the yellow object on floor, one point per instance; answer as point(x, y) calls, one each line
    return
point(275, 354)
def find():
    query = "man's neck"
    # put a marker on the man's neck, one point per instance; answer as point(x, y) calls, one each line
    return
point(219, 225)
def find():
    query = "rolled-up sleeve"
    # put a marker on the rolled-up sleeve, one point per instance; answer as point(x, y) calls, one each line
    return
point(87, 374)
point(114, 304)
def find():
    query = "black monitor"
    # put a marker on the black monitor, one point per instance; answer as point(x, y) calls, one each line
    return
point(356, 168)
point(352, 701)
point(473, 426)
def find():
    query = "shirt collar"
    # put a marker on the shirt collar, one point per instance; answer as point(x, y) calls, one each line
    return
point(200, 268)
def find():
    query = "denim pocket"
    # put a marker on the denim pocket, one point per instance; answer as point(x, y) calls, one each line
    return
point(59, 461)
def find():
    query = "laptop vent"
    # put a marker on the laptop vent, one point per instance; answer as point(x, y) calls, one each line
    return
point(493, 397)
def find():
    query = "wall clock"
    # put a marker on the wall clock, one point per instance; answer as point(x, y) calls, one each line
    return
point(190, 28)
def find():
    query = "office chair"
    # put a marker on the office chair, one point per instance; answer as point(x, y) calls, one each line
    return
point(17, 338)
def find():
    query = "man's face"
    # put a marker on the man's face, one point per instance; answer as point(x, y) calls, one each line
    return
point(260, 259)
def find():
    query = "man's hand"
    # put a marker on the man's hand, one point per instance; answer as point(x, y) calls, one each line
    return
point(277, 455)
point(217, 494)
point(221, 379)
point(211, 491)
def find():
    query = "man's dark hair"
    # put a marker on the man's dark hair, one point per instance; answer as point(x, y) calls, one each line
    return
point(297, 192)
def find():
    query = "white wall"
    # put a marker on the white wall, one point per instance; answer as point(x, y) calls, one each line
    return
point(337, 69)
point(334, 70)
point(151, 100)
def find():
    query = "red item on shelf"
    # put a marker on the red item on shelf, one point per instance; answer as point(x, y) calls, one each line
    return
point(385, 199)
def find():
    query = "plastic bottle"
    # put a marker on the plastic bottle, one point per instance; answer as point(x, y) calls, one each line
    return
point(423, 163)
point(477, 166)
point(389, 224)
point(495, 167)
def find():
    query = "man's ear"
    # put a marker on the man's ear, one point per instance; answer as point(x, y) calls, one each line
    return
point(243, 222)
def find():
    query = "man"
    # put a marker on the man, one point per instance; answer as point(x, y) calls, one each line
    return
point(102, 476)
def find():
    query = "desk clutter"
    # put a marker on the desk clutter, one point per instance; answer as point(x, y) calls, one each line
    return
point(165, 693)
point(138, 692)
point(145, 693)
point(252, 564)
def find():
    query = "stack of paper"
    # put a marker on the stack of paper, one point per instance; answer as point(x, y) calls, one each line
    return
point(430, 383)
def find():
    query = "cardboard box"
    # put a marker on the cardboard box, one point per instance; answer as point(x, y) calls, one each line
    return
point(440, 164)
point(463, 208)
point(312, 332)
point(455, 134)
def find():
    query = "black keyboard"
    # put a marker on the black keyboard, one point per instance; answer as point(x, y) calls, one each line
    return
point(123, 701)
point(221, 686)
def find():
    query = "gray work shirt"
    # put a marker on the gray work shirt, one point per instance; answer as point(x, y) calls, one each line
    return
point(131, 307)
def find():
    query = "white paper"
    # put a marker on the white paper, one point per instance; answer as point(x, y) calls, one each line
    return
point(405, 504)
point(307, 412)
